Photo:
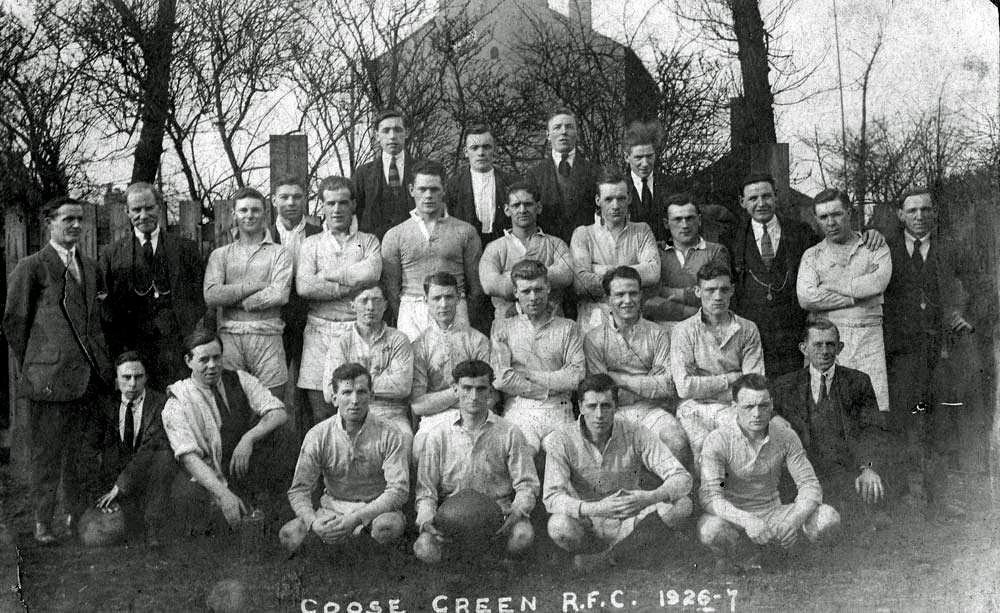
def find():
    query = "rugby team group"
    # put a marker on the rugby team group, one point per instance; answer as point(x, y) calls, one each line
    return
point(569, 336)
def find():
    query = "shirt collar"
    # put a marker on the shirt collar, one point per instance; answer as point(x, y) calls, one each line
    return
point(551, 316)
point(510, 233)
point(637, 181)
point(829, 372)
point(135, 403)
point(339, 424)
point(379, 336)
point(616, 433)
point(924, 240)
point(771, 225)
point(702, 244)
point(235, 233)
point(63, 252)
point(153, 236)
point(475, 174)
point(491, 418)
point(400, 159)
point(299, 227)
point(415, 215)
point(570, 157)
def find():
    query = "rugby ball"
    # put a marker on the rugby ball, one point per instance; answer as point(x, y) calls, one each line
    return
point(97, 529)
point(227, 596)
point(468, 514)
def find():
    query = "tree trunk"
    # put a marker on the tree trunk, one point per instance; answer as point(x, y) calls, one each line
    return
point(157, 52)
point(752, 53)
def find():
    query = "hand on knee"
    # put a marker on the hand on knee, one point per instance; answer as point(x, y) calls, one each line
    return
point(521, 537)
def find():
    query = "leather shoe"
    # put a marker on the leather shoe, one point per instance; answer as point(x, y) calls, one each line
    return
point(43, 535)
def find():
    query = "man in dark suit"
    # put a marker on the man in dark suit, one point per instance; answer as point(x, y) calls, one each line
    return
point(566, 181)
point(136, 455)
point(153, 282)
point(53, 326)
point(382, 195)
point(834, 411)
point(477, 194)
point(647, 187)
point(924, 305)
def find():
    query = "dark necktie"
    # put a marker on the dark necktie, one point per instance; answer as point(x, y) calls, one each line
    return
point(824, 394)
point(220, 402)
point(393, 173)
point(766, 248)
point(128, 438)
point(564, 167)
point(147, 247)
point(916, 257)
point(647, 195)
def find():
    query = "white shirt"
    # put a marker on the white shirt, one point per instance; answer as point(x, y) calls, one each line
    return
point(925, 244)
point(773, 228)
point(68, 256)
point(387, 160)
point(570, 157)
point(291, 238)
point(426, 231)
point(154, 237)
point(136, 416)
point(814, 380)
point(484, 195)
point(637, 182)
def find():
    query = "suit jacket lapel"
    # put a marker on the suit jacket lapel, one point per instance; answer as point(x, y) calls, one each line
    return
point(147, 413)
point(172, 253)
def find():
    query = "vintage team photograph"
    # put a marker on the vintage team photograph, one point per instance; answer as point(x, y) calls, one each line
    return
point(497, 306)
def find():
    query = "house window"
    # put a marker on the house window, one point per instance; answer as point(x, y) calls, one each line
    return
point(494, 53)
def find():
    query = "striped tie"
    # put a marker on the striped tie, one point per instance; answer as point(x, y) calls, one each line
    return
point(766, 248)
point(393, 173)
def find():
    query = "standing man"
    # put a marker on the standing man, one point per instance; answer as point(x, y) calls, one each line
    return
point(843, 281)
point(429, 241)
point(153, 281)
point(53, 325)
point(709, 351)
point(925, 310)
point(524, 241)
point(635, 353)
point(648, 188)
point(250, 279)
point(384, 352)
point(593, 475)
point(478, 451)
point(681, 257)
point(611, 241)
point(477, 194)
point(443, 344)
point(538, 358)
point(565, 179)
point(382, 196)
point(364, 463)
point(333, 267)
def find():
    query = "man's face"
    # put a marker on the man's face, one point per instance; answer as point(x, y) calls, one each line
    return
point(143, 211)
point(392, 135)
point(479, 150)
point(598, 412)
point(289, 201)
point(442, 303)
point(834, 220)
point(369, 307)
point(821, 348)
point(684, 224)
point(715, 294)
point(338, 208)
point(532, 295)
point(758, 201)
point(561, 133)
point(131, 378)
point(474, 394)
point(66, 225)
point(754, 410)
point(205, 362)
point(918, 215)
point(612, 198)
point(641, 160)
point(249, 215)
point(351, 399)
point(625, 298)
point(428, 194)
point(522, 209)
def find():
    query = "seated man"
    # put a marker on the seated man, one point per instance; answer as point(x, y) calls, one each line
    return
point(445, 343)
point(479, 451)
point(592, 477)
point(740, 467)
point(834, 411)
point(635, 353)
point(708, 352)
point(538, 358)
point(136, 454)
point(364, 463)
point(386, 354)
point(213, 420)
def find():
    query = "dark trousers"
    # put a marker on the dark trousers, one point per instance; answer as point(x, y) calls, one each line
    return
point(781, 351)
point(147, 504)
point(839, 491)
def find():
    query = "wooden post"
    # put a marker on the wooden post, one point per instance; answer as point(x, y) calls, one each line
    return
point(289, 155)
point(189, 214)
point(991, 218)
point(16, 247)
point(223, 222)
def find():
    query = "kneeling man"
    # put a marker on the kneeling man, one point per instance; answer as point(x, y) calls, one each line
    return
point(741, 463)
point(364, 462)
point(479, 451)
point(592, 477)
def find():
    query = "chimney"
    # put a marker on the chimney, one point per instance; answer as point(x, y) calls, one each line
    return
point(579, 12)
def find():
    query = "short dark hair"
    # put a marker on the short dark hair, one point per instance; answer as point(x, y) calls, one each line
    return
point(49, 208)
point(142, 186)
point(756, 177)
point(831, 194)
point(528, 270)
point(441, 279)
point(333, 183)
point(559, 110)
point(619, 272)
point(751, 381)
point(477, 128)
point(247, 192)
point(290, 179)
point(471, 368)
point(523, 185)
point(389, 113)
point(679, 199)
point(371, 285)
point(429, 168)
point(713, 270)
point(597, 382)
point(819, 323)
point(918, 191)
point(129, 356)
point(610, 175)
point(349, 372)
point(200, 336)
point(643, 133)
